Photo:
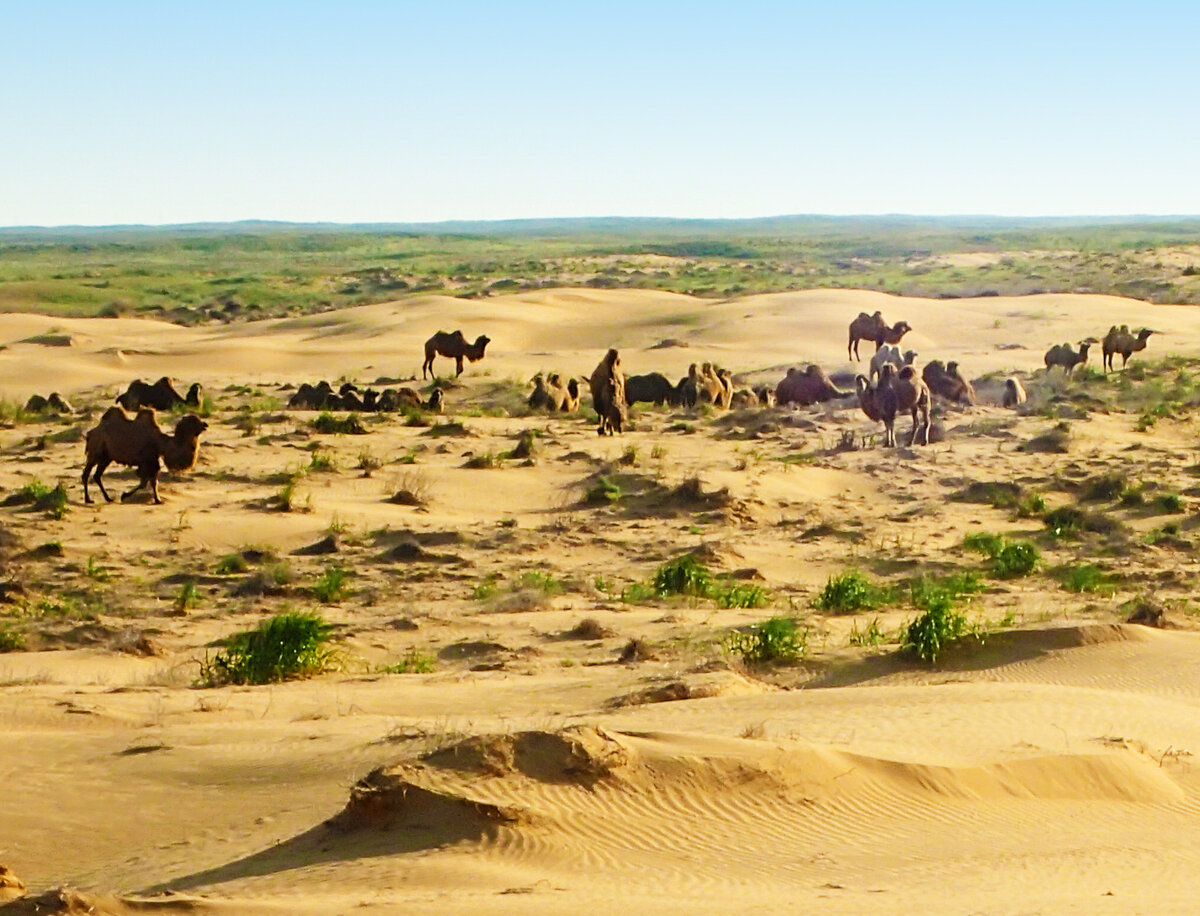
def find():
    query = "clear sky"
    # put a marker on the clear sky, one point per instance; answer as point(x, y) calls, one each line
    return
point(157, 112)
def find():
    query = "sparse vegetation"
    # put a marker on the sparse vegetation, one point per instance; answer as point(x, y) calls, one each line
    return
point(348, 425)
point(287, 646)
point(929, 635)
point(1085, 577)
point(604, 490)
point(332, 585)
point(780, 640)
point(684, 575)
point(187, 597)
point(413, 662)
point(849, 592)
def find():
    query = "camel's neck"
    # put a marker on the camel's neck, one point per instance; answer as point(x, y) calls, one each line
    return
point(179, 454)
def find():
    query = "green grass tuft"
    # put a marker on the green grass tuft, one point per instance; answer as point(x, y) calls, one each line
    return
point(331, 585)
point(289, 645)
point(684, 575)
point(779, 640)
point(849, 592)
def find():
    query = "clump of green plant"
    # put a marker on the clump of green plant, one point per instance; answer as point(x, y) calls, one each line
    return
point(604, 490)
point(1031, 506)
point(95, 571)
point(1085, 577)
point(231, 564)
point(322, 461)
point(983, 542)
point(348, 425)
point(1169, 502)
point(684, 575)
point(870, 637)
point(637, 593)
point(332, 585)
point(1104, 488)
point(779, 640)
point(539, 581)
point(482, 461)
point(289, 645)
point(485, 589)
point(413, 662)
point(11, 639)
point(1010, 559)
point(849, 592)
point(368, 463)
point(933, 631)
point(187, 596)
point(926, 590)
point(740, 595)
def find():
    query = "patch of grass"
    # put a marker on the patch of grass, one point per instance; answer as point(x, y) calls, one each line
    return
point(1169, 502)
point(368, 463)
point(322, 461)
point(187, 596)
point(1015, 560)
point(604, 490)
point(332, 585)
point(629, 456)
point(11, 639)
point(779, 640)
point(1069, 522)
point(1131, 497)
point(348, 425)
point(684, 575)
point(849, 592)
point(231, 564)
point(740, 595)
point(983, 542)
point(1085, 577)
point(927, 590)
point(486, 589)
point(871, 637)
point(413, 662)
point(482, 461)
point(928, 635)
point(409, 457)
point(96, 572)
point(1104, 488)
point(638, 593)
point(287, 646)
point(1031, 506)
point(539, 581)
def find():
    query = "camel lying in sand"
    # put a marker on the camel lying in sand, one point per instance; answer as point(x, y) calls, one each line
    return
point(53, 404)
point(1120, 340)
point(687, 392)
point(948, 382)
point(161, 395)
point(652, 388)
point(608, 394)
point(807, 387)
point(454, 346)
point(873, 327)
point(139, 443)
point(1014, 392)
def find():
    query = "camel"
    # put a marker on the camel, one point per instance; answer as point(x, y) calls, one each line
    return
point(141, 444)
point(902, 392)
point(52, 404)
point(873, 327)
point(161, 395)
point(710, 389)
point(867, 398)
point(725, 377)
point(540, 398)
point(1120, 340)
point(1014, 392)
point(745, 398)
point(1064, 355)
point(608, 394)
point(766, 395)
point(947, 382)
point(890, 353)
point(652, 388)
point(454, 346)
point(687, 392)
point(807, 387)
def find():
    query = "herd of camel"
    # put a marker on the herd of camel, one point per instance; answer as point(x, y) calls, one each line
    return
point(891, 388)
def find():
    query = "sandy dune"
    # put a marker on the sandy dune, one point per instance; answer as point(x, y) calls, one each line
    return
point(1048, 770)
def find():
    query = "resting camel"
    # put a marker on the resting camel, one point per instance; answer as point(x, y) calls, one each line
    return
point(1064, 355)
point(608, 394)
point(1014, 392)
point(687, 392)
point(454, 346)
point(652, 388)
point(807, 387)
point(709, 387)
point(1120, 340)
point(139, 443)
point(540, 398)
point(563, 398)
point(161, 395)
point(873, 327)
point(947, 382)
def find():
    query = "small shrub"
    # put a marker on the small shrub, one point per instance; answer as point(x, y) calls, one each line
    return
point(231, 563)
point(927, 590)
point(775, 641)
point(741, 595)
point(629, 456)
point(1033, 505)
point(96, 572)
point(984, 542)
point(849, 592)
point(485, 589)
point(637, 593)
point(413, 662)
point(322, 461)
point(368, 463)
point(482, 461)
point(1104, 488)
point(348, 425)
point(11, 639)
point(1169, 502)
point(188, 596)
point(871, 637)
point(537, 580)
point(330, 586)
point(1015, 559)
point(684, 575)
point(1085, 577)
point(930, 633)
point(604, 490)
point(289, 645)
point(1132, 496)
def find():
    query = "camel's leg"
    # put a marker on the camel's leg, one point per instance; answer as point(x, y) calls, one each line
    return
point(1124, 361)
point(101, 467)
point(457, 366)
point(850, 347)
point(87, 469)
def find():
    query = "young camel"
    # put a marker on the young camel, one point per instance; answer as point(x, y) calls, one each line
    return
point(139, 443)
point(902, 392)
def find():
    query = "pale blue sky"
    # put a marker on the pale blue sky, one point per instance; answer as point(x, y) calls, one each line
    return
point(370, 111)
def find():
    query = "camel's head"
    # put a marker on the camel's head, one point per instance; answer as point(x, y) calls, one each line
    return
point(537, 381)
point(887, 372)
point(902, 327)
point(573, 387)
point(1144, 333)
point(612, 358)
point(910, 357)
point(792, 370)
point(952, 368)
point(862, 384)
point(481, 343)
point(190, 427)
point(324, 386)
point(554, 380)
point(813, 371)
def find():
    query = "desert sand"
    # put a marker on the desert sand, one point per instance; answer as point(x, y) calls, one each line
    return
point(1049, 770)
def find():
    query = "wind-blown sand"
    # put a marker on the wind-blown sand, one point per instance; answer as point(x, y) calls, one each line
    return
point(1049, 770)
